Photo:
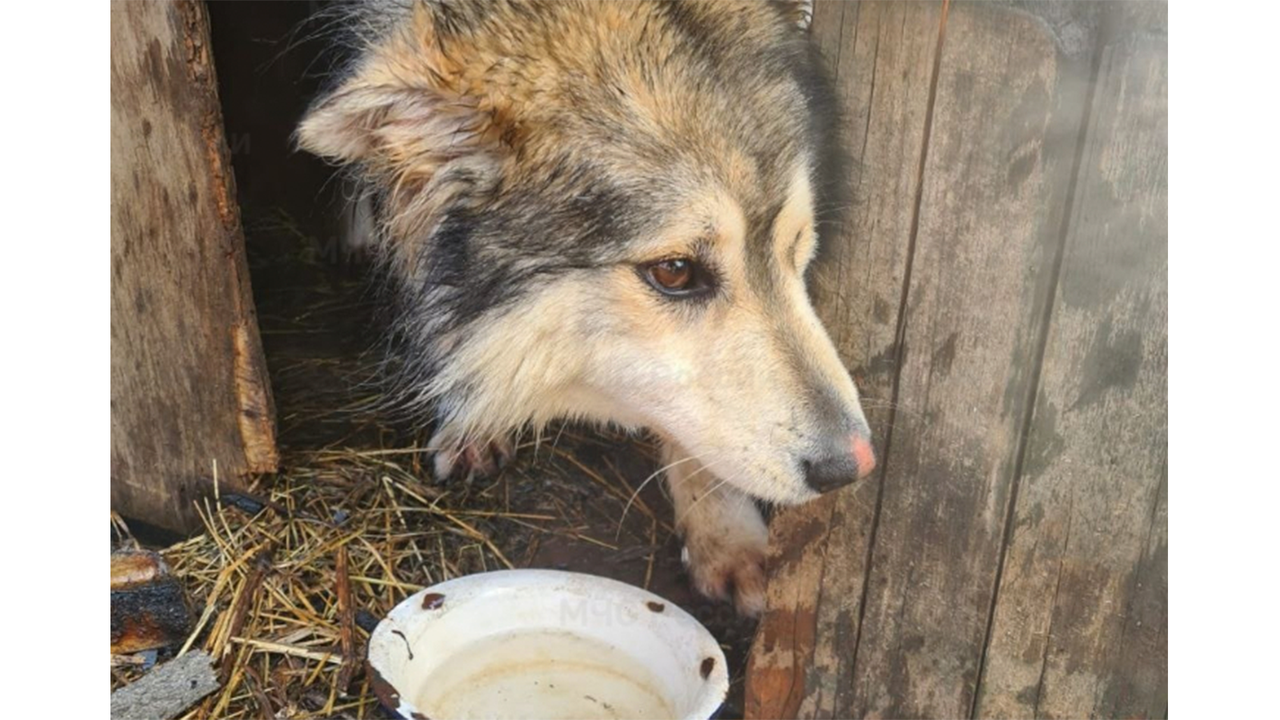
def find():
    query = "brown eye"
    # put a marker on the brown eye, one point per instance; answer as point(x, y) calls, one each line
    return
point(679, 277)
point(673, 275)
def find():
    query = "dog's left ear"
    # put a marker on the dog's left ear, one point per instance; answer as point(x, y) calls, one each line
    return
point(799, 11)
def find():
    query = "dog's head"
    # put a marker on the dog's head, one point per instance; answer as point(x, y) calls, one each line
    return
point(606, 210)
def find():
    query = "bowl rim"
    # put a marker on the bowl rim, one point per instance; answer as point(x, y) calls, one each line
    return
point(431, 598)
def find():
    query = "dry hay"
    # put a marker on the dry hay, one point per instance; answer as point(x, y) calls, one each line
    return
point(286, 574)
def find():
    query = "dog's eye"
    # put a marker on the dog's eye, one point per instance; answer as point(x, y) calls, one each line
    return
point(673, 275)
point(677, 277)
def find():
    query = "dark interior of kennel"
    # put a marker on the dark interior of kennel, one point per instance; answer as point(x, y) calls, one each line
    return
point(998, 292)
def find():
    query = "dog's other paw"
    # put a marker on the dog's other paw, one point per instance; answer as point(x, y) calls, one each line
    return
point(471, 460)
point(729, 565)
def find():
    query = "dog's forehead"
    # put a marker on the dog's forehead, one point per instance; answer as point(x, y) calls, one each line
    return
point(751, 148)
point(621, 132)
point(674, 86)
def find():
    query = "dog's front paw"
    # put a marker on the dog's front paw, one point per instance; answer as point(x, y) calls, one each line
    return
point(729, 566)
point(471, 460)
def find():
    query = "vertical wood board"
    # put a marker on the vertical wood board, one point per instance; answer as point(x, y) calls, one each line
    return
point(189, 386)
point(881, 54)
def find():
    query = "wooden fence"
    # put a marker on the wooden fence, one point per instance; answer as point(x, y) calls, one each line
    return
point(1000, 293)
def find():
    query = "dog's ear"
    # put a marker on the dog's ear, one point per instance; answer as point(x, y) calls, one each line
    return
point(406, 130)
point(405, 111)
point(799, 12)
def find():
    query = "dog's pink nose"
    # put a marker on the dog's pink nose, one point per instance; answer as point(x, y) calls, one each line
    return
point(864, 455)
point(851, 460)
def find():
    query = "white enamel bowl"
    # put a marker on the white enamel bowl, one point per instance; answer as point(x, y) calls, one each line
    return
point(544, 645)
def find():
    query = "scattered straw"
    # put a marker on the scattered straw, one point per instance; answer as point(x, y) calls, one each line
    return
point(287, 577)
point(281, 588)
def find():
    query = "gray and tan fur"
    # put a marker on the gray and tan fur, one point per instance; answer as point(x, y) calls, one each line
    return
point(540, 171)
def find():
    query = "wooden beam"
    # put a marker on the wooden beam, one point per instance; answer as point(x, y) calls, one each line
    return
point(189, 385)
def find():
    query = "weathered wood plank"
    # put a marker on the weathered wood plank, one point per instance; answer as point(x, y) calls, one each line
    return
point(882, 54)
point(188, 380)
point(1006, 115)
point(1080, 627)
point(1006, 118)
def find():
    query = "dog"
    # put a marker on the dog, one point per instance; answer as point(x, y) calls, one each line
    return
point(605, 210)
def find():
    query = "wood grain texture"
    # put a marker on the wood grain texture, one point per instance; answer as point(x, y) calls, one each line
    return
point(188, 380)
point(1080, 623)
point(996, 176)
point(882, 55)
point(899, 597)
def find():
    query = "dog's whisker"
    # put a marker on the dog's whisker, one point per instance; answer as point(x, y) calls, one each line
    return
point(711, 491)
point(555, 444)
point(705, 466)
point(622, 518)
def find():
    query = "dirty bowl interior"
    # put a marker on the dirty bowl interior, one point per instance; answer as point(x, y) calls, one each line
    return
point(544, 644)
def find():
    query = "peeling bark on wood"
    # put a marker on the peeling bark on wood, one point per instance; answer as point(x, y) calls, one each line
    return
point(149, 607)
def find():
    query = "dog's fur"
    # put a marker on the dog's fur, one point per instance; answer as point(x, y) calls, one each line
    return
point(528, 161)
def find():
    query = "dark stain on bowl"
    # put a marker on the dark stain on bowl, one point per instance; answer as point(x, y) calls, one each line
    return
point(656, 606)
point(431, 601)
point(407, 647)
point(708, 664)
